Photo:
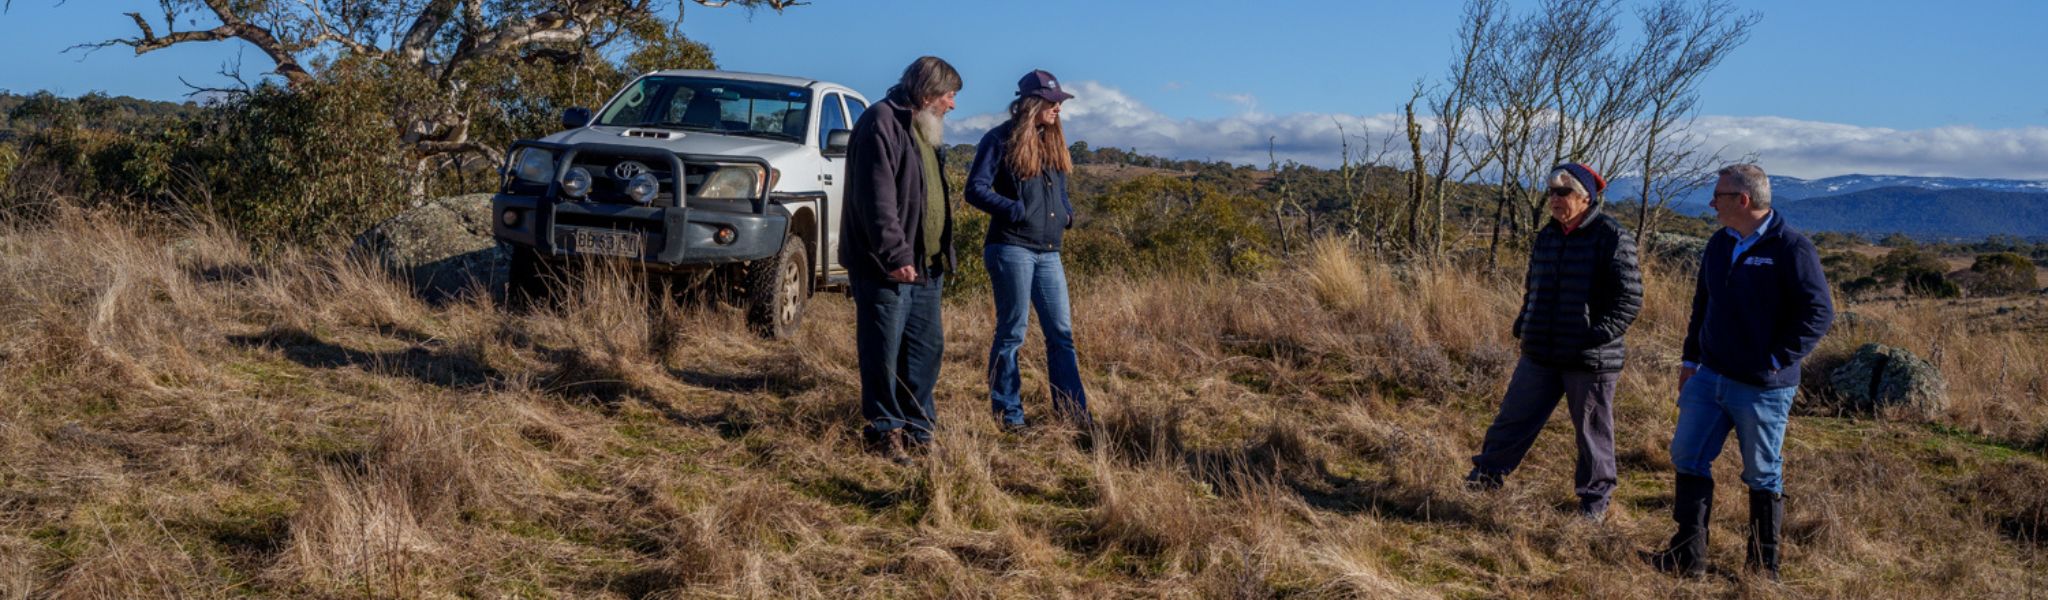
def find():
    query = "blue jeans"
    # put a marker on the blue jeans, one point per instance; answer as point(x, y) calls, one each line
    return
point(901, 341)
point(1710, 406)
point(1021, 275)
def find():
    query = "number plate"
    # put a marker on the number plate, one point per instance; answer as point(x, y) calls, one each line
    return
point(602, 242)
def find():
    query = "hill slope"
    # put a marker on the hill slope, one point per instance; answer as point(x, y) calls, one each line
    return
point(1790, 189)
point(1967, 213)
point(179, 417)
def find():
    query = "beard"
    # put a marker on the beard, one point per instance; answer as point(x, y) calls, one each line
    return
point(930, 126)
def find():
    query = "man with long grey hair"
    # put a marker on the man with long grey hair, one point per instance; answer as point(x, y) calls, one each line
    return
point(1760, 305)
point(896, 240)
point(1582, 291)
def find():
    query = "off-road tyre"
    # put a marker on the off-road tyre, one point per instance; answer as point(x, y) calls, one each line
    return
point(777, 289)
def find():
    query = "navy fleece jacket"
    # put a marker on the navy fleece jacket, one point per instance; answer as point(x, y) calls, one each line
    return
point(1755, 316)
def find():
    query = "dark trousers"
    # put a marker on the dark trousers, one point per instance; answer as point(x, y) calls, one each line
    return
point(1532, 395)
point(901, 341)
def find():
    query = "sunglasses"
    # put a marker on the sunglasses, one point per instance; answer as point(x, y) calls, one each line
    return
point(1562, 192)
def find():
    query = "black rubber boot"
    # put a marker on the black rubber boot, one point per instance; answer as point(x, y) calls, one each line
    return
point(1692, 509)
point(1766, 517)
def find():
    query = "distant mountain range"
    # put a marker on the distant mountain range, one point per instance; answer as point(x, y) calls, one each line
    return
point(1924, 213)
point(1922, 207)
point(1788, 189)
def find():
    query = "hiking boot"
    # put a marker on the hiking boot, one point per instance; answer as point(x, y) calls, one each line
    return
point(889, 445)
point(1686, 555)
point(1481, 481)
point(1766, 517)
point(1592, 513)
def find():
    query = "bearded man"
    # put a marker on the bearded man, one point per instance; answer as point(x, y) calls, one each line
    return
point(896, 241)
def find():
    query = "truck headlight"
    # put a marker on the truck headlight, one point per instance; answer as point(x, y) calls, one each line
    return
point(576, 183)
point(642, 188)
point(732, 182)
point(534, 165)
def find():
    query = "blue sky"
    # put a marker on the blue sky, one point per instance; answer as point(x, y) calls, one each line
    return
point(1822, 88)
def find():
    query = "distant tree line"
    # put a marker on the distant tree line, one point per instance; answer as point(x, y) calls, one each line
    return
point(1920, 270)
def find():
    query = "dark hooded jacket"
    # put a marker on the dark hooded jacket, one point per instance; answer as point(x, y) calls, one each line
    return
point(1582, 292)
point(881, 225)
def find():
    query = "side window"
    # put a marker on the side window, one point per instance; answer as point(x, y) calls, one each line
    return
point(832, 118)
point(853, 109)
point(631, 107)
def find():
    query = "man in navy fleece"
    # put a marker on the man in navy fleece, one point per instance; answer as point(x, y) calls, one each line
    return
point(1760, 305)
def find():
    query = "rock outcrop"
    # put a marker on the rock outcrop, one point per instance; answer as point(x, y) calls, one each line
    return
point(444, 247)
point(1877, 379)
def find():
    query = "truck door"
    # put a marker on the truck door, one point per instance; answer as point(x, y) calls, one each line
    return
point(831, 178)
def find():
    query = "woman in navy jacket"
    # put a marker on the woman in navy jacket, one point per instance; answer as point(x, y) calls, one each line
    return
point(1019, 178)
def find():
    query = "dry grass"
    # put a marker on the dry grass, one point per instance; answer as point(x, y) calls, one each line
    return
point(181, 418)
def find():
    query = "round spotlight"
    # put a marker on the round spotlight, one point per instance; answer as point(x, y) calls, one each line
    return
point(511, 218)
point(642, 188)
point(725, 236)
point(576, 183)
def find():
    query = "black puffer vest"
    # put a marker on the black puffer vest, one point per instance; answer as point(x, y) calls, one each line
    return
point(1582, 291)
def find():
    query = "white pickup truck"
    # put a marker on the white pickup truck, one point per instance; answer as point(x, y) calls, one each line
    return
point(689, 172)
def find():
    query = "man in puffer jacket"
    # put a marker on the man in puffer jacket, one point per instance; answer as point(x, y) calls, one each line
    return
point(1581, 293)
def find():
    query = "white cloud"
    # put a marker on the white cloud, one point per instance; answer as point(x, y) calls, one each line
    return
point(1812, 149)
point(1248, 102)
point(1105, 116)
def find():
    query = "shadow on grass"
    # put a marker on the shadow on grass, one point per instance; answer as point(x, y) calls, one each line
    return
point(426, 361)
point(1386, 500)
point(845, 491)
point(780, 378)
point(232, 274)
point(1280, 459)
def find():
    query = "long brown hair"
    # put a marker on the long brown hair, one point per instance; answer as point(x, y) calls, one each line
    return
point(1033, 149)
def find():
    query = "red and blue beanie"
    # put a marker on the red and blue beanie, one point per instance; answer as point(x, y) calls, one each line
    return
point(1588, 178)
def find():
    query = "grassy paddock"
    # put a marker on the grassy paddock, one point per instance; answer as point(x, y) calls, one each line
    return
point(180, 417)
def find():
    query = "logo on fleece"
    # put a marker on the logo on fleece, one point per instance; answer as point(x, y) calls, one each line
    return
point(1758, 261)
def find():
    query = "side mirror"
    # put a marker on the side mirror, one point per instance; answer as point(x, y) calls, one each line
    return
point(836, 141)
point(575, 117)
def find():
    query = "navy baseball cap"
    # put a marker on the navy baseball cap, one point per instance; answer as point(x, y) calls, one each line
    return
point(1042, 84)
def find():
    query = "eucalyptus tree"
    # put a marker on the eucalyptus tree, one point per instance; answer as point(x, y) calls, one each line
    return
point(448, 78)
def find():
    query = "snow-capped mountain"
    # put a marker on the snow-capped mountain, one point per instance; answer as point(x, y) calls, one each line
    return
point(1792, 189)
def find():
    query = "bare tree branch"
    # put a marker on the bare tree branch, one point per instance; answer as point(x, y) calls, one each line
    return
point(327, 33)
point(413, 48)
point(283, 55)
point(776, 5)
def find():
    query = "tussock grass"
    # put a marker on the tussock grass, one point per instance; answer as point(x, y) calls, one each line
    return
point(183, 417)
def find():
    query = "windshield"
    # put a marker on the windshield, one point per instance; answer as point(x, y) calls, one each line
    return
point(722, 105)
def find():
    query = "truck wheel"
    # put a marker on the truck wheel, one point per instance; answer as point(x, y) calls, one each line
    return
point(528, 281)
point(776, 290)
